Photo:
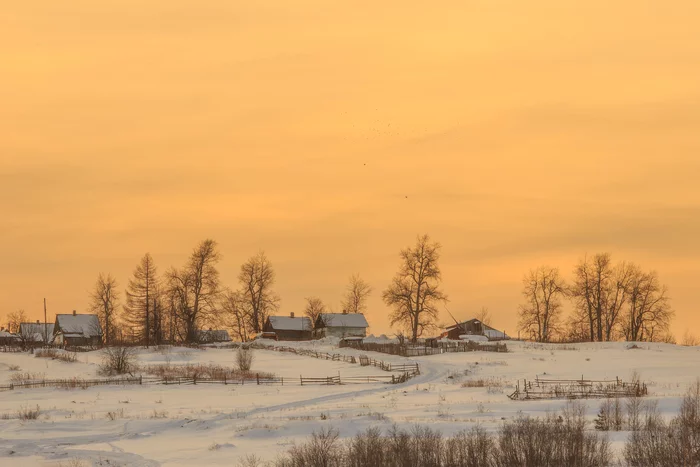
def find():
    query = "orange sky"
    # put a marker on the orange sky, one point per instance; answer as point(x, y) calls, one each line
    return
point(522, 132)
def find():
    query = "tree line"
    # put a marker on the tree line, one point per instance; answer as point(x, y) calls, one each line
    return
point(609, 301)
point(177, 305)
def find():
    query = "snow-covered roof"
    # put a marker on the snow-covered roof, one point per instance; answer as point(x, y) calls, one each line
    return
point(287, 323)
point(344, 320)
point(493, 334)
point(473, 338)
point(80, 325)
point(5, 334)
point(215, 335)
point(35, 331)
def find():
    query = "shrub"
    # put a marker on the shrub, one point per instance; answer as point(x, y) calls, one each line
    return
point(27, 413)
point(118, 361)
point(244, 358)
point(659, 444)
point(55, 354)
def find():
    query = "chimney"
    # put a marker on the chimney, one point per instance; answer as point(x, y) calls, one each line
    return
point(345, 312)
point(38, 322)
point(291, 315)
point(73, 312)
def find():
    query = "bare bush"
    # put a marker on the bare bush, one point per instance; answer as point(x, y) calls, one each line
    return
point(553, 441)
point(14, 367)
point(217, 372)
point(118, 361)
point(27, 413)
point(244, 358)
point(660, 444)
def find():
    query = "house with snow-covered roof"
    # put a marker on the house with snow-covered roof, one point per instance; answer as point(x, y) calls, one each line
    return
point(77, 330)
point(473, 327)
point(289, 328)
point(340, 325)
point(35, 333)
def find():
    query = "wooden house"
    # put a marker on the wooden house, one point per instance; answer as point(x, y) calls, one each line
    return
point(289, 328)
point(35, 333)
point(77, 330)
point(473, 327)
point(210, 336)
point(340, 325)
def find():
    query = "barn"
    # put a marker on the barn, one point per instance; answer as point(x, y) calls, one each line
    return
point(340, 325)
point(77, 330)
point(473, 327)
point(289, 328)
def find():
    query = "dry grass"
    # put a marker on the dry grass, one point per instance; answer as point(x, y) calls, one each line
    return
point(26, 377)
point(201, 371)
point(13, 367)
point(27, 413)
point(55, 354)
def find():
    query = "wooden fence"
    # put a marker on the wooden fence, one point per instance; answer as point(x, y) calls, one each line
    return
point(577, 389)
point(407, 350)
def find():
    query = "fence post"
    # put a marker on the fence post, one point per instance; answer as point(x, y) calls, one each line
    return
point(301, 380)
point(339, 378)
point(257, 378)
point(141, 379)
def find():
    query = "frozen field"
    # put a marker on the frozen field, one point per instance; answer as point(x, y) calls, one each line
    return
point(215, 424)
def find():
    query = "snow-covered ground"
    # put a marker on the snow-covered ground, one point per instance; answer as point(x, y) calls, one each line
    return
point(216, 424)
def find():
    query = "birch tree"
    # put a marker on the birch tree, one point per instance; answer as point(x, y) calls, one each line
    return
point(356, 295)
point(256, 278)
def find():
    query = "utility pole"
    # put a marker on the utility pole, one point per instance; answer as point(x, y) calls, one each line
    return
point(46, 325)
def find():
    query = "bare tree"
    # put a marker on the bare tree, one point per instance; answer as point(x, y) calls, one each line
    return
point(140, 294)
point(414, 292)
point(195, 289)
point(356, 295)
point(235, 314)
point(649, 310)
point(591, 290)
point(14, 320)
point(484, 316)
point(314, 308)
point(543, 290)
point(104, 302)
point(257, 278)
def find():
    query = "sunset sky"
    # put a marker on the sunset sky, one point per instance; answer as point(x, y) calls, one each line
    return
point(331, 133)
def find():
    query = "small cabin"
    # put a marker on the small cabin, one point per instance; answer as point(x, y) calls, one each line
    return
point(7, 338)
point(77, 330)
point(289, 328)
point(35, 333)
point(212, 336)
point(340, 325)
point(473, 327)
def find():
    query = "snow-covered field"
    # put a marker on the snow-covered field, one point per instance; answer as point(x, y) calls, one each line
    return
point(216, 424)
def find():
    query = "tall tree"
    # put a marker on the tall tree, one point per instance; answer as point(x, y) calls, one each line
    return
point(356, 295)
point(591, 280)
point(600, 292)
point(649, 311)
point(104, 302)
point(540, 315)
point(235, 314)
point(256, 279)
point(414, 293)
point(14, 319)
point(197, 289)
point(314, 308)
point(140, 293)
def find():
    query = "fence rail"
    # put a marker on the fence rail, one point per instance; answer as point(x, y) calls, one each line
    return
point(407, 350)
point(540, 389)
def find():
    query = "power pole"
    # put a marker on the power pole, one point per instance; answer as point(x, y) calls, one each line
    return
point(46, 325)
